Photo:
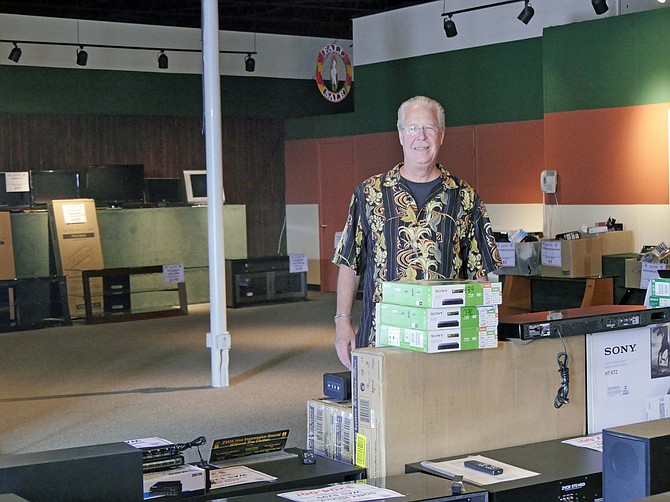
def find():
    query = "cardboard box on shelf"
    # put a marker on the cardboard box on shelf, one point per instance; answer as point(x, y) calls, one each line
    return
point(637, 276)
point(76, 244)
point(437, 318)
point(410, 406)
point(438, 340)
point(619, 242)
point(520, 258)
point(432, 294)
point(572, 258)
point(7, 268)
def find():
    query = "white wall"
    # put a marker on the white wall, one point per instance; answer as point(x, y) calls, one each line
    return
point(279, 56)
point(417, 31)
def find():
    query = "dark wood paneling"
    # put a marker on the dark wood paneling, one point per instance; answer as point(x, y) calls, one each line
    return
point(253, 157)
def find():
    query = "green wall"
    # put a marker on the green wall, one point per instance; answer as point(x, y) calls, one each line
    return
point(495, 83)
point(608, 63)
point(26, 89)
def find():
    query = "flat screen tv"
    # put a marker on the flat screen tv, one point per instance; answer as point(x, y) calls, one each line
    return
point(10, 200)
point(46, 186)
point(195, 183)
point(162, 191)
point(115, 185)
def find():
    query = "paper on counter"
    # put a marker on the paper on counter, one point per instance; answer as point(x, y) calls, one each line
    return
point(350, 492)
point(236, 475)
point(451, 468)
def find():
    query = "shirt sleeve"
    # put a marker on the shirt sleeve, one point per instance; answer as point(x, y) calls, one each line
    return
point(350, 246)
point(483, 256)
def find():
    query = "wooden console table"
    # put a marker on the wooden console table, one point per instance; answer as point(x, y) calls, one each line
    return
point(116, 282)
point(518, 292)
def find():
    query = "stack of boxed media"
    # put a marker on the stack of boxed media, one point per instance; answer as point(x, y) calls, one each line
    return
point(164, 470)
point(330, 428)
point(659, 292)
point(439, 316)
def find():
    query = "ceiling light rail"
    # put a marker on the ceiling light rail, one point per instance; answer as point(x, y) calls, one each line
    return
point(450, 26)
point(82, 57)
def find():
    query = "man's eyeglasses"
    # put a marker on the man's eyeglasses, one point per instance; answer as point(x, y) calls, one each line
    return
point(413, 130)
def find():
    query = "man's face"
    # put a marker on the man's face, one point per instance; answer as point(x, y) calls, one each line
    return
point(421, 149)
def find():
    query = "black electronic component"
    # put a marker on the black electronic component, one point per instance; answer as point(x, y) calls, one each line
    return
point(566, 473)
point(580, 321)
point(158, 452)
point(162, 464)
point(476, 465)
point(337, 385)
point(307, 457)
point(169, 488)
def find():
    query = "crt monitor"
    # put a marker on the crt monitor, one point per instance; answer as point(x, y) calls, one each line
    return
point(162, 191)
point(9, 200)
point(112, 185)
point(46, 186)
point(195, 183)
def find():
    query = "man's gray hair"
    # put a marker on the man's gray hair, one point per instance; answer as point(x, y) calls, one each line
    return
point(421, 101)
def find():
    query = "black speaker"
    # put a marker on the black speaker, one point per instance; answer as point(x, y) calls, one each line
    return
point(636, 460)
point(110, 472)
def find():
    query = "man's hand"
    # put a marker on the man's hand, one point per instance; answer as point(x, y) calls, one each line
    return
point(345, 340)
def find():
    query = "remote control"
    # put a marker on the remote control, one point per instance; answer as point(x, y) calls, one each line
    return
point(483, 467)
point(307, 457)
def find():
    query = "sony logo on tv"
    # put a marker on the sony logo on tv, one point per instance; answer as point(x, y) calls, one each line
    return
point(620, 349)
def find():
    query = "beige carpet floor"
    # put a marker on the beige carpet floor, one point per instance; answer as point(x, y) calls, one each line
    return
point(81, 385)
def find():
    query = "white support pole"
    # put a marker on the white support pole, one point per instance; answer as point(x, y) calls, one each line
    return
point(218, 339)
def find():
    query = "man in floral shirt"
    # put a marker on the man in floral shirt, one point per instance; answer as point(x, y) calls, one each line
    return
point(416, 221)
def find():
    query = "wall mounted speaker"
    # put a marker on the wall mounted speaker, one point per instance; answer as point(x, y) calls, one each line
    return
point(636, 460)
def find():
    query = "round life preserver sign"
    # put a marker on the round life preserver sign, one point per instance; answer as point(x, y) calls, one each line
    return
point(332, 92)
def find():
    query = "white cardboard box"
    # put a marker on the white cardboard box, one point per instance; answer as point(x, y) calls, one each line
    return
point(432, 294)
point(482, 316)
point(438, 340)
point(330, 428)
point(192, 479)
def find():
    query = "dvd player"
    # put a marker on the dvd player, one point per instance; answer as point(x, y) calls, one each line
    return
point(579, 321)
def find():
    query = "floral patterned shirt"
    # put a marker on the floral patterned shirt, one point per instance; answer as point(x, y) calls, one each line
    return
point(387, 237)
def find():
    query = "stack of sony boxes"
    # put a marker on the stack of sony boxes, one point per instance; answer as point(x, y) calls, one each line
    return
point(439, 316)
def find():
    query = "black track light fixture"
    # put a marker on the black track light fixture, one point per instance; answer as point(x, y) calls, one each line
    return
point(15, 53)
point(249, 63)
point(82, 56)
point(600, 6)
point(162, 60)
point(527, 13)
point(450, 27)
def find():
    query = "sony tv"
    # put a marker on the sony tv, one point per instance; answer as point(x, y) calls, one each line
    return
point(115, 185)
point(46, 186)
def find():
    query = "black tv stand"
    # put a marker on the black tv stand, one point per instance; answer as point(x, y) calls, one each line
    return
point(266, 279)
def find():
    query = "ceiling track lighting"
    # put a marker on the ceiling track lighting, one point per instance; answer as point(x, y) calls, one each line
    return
point(15, 54)
point(162, 60)
point(600, 6)
point(450, 27)
point(82, 56)
point(527, 13)
point(525, 16)
point(249, 63)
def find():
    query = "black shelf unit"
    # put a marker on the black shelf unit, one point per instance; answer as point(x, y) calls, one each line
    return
point(33, 303)
point(266, 279)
